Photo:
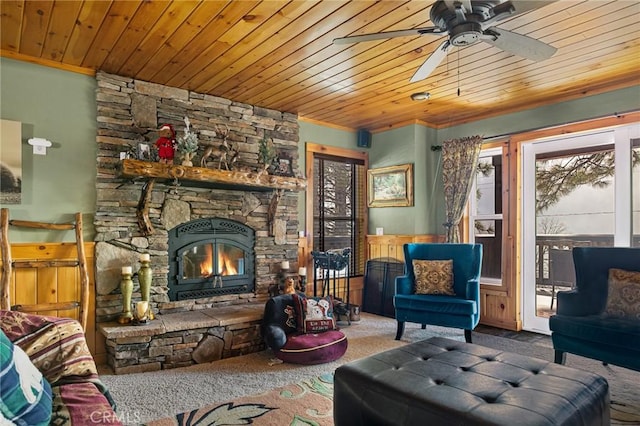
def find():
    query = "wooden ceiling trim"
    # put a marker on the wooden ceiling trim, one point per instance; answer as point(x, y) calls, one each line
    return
point(89, 20)
point(64, 15)
point(196, 56)
point(270, 37)
point(47, 63)
point(137, 30)
point(306, 63)
point(34, 27)
point(112, 27)
point(174, 47)
point(161, 30)
point(11, 24)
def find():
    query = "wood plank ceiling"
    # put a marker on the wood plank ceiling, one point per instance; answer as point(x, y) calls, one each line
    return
point(280, 55)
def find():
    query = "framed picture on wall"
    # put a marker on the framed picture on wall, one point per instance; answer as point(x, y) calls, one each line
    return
point(391, 186)
point(10, 162)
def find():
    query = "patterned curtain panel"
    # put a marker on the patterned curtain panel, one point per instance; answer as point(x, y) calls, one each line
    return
point(459, 164)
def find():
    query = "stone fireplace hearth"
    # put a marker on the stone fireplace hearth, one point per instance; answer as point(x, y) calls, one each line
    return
point(129, 113)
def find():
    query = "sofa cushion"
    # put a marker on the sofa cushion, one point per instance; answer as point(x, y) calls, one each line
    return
point(313, 348)
point(436, 304)
point(56, 346)
point(599, 329)
point(433, 276)
point(25, 395)
point(623, 298)
point(81, 403)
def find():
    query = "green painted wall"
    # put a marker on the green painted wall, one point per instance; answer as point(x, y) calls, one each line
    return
point(59, 106)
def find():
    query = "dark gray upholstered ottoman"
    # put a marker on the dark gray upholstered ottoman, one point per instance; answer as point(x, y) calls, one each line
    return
point(445, 382)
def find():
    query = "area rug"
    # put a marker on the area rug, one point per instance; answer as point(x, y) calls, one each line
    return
point(256, 388)
point(309, 402)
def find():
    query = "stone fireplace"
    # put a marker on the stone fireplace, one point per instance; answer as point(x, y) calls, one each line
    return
point(210, 257)
point(256, 228)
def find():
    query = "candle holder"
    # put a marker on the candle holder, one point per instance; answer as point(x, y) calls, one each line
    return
point(126, 288)
point(282, 276)
point(145, 277)
point(141, 312)
point(302, 273)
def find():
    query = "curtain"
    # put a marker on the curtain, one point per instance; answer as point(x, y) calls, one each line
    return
point(459, 164)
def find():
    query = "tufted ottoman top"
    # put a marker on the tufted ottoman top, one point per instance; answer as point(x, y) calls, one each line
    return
point(443, 381)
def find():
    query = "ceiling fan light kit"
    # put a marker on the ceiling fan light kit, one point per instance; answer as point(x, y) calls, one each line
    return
point(467, 22)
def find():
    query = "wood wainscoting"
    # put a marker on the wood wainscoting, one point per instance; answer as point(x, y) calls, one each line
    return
point(498, 305)
point(54, 284)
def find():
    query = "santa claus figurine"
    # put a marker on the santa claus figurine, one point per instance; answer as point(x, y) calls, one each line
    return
point(166, 144)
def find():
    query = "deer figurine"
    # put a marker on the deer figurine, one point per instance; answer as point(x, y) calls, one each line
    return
point(222, 152)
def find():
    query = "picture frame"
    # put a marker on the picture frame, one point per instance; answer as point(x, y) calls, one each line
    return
point(283, 165)
point(390, 186)
point(144, 152)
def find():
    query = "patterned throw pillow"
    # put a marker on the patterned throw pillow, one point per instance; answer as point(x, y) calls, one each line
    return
point(314, 314)
point(434, 276)
point(25, 396)
point(623, 300)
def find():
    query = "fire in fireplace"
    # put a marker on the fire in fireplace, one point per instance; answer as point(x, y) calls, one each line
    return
point(211, 257)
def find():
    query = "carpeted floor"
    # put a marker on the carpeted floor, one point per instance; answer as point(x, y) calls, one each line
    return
point(149, 396)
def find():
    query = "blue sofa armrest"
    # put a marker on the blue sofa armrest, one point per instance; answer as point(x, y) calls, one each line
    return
point(473, 290)
point(404, 285)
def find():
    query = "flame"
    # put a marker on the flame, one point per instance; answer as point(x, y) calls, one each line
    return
point(225, 263)
point(206, 266)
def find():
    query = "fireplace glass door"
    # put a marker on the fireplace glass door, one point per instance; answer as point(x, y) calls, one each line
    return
point(212, 259)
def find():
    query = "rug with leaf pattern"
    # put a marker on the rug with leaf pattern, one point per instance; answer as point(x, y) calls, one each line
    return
point(309, 402)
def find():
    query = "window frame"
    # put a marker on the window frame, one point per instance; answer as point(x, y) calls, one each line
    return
point(311, 149)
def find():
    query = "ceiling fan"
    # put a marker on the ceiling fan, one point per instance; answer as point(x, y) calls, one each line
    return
point(467, 22)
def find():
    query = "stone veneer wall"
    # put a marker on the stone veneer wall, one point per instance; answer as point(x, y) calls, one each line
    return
point(129, 112)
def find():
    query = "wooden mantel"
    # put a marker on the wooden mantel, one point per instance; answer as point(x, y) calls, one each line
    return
point(200, 176)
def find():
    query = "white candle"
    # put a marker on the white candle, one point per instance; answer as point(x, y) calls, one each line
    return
point(126, 270)
point(144, 257)
point(141, 309)
point(302, 271)
point(285, 264)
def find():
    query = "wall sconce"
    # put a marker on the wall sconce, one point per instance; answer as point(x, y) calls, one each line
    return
point(39, 145)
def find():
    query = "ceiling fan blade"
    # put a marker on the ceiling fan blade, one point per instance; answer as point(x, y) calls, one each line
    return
point(518, 44)
point(432, 62)
point(388, 34)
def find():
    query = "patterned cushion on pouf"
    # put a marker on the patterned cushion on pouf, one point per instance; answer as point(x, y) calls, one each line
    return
point(313, 348)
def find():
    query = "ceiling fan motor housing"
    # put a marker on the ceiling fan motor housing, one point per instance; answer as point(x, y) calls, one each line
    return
point(464, 26)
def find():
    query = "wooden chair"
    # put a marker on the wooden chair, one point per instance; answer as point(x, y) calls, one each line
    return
point(8, 266)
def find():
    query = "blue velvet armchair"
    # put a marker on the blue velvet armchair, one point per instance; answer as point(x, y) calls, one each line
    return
point(581, 326)
point(461, 310)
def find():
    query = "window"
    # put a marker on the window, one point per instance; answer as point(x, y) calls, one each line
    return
point(339, 207)
point(485, 214)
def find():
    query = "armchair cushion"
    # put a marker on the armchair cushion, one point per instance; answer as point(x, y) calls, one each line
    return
point(25, 395)
point(434, 276)
point(623, 299)
point(314, 314)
